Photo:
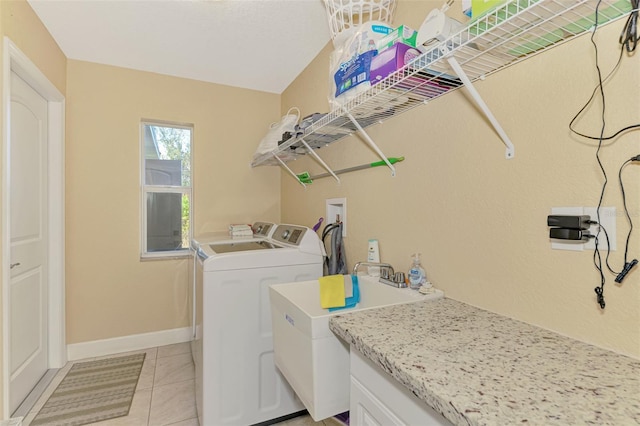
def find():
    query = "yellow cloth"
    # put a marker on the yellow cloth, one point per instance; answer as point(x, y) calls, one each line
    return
point(332, 291)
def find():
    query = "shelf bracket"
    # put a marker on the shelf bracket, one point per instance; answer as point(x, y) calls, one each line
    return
point(369, 141)
point(284, 165)
point(510, 151)
point(319, 160)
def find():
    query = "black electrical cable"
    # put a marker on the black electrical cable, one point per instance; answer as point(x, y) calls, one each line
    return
point(606, 234)
point(629, 34)
point(628, 40)
point(597, 259)
point(628, 266)
point(626, 210)
point(593, 94)
point(631, 21)
point(328, 229)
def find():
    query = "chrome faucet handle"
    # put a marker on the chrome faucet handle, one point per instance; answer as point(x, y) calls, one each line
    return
point(384, 273)
point(383, 266)
point(395, 280)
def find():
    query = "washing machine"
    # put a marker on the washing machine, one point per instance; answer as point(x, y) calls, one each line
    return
point(237, 382)
point(261, 231)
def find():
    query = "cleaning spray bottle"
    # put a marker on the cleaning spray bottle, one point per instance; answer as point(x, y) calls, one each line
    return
point(417, 275)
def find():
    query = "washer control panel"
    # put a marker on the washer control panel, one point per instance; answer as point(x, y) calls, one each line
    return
point(290, 234)
point(262, 229)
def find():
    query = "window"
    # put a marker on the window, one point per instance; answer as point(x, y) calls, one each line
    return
point(166, 188)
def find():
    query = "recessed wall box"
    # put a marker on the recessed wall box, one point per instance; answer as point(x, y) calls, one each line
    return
point(336, 211)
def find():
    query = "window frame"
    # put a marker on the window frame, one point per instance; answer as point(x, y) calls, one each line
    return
point(170, 189)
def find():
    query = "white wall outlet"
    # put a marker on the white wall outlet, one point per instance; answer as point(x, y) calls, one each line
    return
point(336, 209)
point(607, 219)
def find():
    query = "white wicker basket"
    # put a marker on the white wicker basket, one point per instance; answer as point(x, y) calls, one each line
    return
point(348, 14)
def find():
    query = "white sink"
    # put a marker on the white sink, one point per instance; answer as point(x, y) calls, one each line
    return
point(313, 360)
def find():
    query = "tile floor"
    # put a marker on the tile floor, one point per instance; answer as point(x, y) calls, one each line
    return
point(165, 394)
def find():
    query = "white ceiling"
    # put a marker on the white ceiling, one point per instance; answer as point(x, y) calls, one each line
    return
point(254, 44)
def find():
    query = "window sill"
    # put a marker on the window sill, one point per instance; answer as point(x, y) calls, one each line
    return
point(173, 256)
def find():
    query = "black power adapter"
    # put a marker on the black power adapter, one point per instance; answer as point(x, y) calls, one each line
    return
point(569, 227)
point(571, 222)
point(569, 234)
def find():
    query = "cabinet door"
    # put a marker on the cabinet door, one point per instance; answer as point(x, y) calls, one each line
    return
point(367, 410)
point(379, 399)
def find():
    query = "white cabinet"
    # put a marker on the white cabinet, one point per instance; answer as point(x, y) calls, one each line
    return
point(367, 410)
point(377, 399)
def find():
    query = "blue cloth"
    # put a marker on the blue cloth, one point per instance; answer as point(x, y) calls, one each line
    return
point(351, 302)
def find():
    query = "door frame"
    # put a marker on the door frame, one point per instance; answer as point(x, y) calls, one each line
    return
point(15, 60)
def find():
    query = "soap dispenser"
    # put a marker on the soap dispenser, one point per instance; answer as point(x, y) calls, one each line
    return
point(417, 275)
point(373, 256)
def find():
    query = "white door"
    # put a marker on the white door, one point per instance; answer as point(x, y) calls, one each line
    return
point(28, 352)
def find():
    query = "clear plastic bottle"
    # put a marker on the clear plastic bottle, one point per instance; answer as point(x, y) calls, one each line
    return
point(417, 275)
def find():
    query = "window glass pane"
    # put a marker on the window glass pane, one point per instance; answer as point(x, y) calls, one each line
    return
point(167, 221)
point(186, 221)
point(163, 172)
point(167, 153)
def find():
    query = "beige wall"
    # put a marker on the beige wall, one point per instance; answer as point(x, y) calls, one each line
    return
point(22, 26)
point(110, 292)
point(20, 23)
point(480, 220)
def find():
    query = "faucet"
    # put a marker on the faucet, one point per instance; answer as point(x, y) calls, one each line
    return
point(383, 267)
point(387, 275)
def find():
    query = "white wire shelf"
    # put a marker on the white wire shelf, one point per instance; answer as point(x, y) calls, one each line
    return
point(503, 37)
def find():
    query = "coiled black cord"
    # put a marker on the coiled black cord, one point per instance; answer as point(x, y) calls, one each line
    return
point(629, 34)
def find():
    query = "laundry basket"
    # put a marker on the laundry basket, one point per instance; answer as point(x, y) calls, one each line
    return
point(344, 15)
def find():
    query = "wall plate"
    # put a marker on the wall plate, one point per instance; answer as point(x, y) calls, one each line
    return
point(607, 219)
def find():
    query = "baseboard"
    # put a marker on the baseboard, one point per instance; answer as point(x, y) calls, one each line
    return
point(134, 342)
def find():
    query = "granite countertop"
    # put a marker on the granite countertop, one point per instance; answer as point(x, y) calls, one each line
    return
point(480, 368)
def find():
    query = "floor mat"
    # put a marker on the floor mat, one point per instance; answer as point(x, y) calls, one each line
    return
point(93, 391)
